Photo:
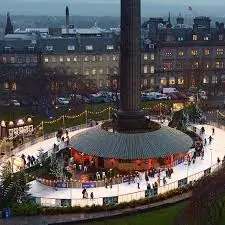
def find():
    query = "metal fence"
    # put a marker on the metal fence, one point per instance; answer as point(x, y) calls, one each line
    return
point(56, 202)
point(113, 199)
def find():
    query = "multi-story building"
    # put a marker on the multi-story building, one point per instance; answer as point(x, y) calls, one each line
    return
point(19, 64)
point(189, 56)
point(68, 58)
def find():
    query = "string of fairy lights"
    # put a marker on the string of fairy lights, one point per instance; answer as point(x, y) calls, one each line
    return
point(87, 112)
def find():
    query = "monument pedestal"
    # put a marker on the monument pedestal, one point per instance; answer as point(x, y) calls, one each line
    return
point(126, 121)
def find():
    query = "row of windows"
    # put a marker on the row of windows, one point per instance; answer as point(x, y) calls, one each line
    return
point(73, 47)
point(92, 58)
point(195, 52)
point(195, 37)
point(172, 81)
point(13, 59)
point(108, 70)
point(194, 65)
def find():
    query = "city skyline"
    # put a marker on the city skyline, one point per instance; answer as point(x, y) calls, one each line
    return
point(109, 7)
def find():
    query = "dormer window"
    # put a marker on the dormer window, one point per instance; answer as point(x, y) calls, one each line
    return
point(194, 37)
point(109, 47)
point(49, 48)
point(70, 47)
point(31, 49)
point(7, 49)
point(89, 47)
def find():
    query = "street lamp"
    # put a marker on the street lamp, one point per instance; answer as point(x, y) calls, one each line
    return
point(211, 155)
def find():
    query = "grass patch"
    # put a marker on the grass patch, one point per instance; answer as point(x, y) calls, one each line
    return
point(164, 216)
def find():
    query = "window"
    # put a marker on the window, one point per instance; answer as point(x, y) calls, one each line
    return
point(7, 49)
point(172, 81)
point(12, 59)
point(220, 37)
point(181, 53)
point(180, 80)
point(194, 37)
point(214, 79)
point(71, 47)
point(49, 48)
point(167, 65)
point(46, 59)
point(168, 54)
point(101, 71)
point(6, 85)
point(145, 57)
point(206, 38)
point(114, 58)
point(219, 51)
point(145, 82)
point(93, 72)
point(76, 71)
point(28, 59)
point(152, 69)
point(205, 80)
point(206, 52)
point(31, 49)
point(60, 59)
point(86, 71)
point(89, 47)
point(115, 70)
point(180, 38)
point(145, 69)
point(163, 81)
point(75, 59)
point(19, 59)
point(152, 81)
point(194, 52)
point(195, 65)
point(100, 58)
point(219, 64)
point(107, 58)
point(109, 47)
point(86, 59)
point(53, 59)
point(68, 59)
point(93, 58)
point(152, 57)
point(4, 60)
point(207, 65)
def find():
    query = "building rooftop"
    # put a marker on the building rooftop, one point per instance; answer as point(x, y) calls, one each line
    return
point(163, 142)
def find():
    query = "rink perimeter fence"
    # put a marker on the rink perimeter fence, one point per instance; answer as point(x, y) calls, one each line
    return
point(53, 202)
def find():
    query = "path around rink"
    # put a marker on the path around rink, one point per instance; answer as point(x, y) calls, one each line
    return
point(181, 171)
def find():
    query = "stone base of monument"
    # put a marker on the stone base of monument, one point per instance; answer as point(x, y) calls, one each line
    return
point(131, 121)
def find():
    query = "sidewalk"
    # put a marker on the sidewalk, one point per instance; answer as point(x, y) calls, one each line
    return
point(69, 219)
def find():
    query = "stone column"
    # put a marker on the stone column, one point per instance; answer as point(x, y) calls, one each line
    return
point(130, 61)
point(130, 117)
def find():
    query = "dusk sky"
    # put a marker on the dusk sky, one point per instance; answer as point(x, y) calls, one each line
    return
point(109, 7)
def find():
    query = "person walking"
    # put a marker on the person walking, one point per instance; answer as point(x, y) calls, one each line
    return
point(164, 181)
point(213, 131)
point(92, 195)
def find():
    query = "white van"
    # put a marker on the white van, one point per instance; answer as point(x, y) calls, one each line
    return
point(169, 90)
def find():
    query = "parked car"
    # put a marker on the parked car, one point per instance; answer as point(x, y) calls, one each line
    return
point(15, 103)
point(63, 101)
point(162, 97)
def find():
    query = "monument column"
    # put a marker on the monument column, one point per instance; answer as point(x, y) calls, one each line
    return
point(130, 116)
point(130, 61)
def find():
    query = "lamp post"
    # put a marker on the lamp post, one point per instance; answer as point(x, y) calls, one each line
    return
point(118, 188)
point(211, 155)
point(86, 117)
point(63, 120)
point(217, 116)
point(109, 113)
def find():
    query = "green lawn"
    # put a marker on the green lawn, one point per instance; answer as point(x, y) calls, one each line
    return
point(163, 216)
